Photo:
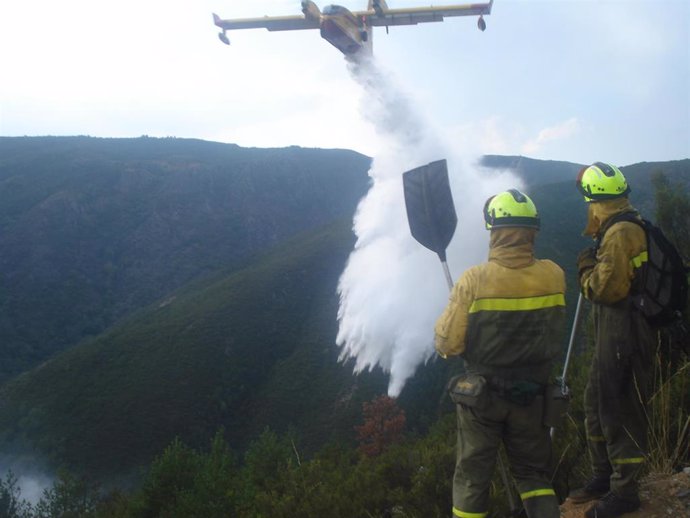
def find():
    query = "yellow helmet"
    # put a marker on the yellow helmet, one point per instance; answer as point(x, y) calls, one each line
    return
point(510, 209)
point(602, 181)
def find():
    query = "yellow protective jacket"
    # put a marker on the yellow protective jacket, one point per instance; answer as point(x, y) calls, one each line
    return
point(506, 316)
point(622, 251)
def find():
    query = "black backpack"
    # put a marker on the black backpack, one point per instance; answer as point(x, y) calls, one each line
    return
point(662, 293)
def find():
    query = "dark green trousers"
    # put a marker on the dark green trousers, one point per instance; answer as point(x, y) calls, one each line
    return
point(527, 444)
point(616, 396)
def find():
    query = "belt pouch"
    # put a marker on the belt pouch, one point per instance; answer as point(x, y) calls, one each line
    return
point(556, 403)
point(469, 390)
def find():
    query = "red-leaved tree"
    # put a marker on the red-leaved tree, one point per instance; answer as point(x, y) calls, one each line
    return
point(383, 425)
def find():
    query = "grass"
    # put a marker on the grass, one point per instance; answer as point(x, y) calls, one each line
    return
point(669, 417)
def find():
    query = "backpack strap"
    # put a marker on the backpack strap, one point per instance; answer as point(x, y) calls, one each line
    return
point(630, 215)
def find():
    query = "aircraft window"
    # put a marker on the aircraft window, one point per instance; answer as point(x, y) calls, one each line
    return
point(334, 9)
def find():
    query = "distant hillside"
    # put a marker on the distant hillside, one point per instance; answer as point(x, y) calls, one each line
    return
point(533, 172)
point(179, 286)
point(248, 349)
point(92, 229)
point(545, 172)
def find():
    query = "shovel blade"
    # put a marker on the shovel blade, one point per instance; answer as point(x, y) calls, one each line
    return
point(430, 209)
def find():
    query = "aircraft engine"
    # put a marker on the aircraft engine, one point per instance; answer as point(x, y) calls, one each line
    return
point(379, 6)
point(311, 10)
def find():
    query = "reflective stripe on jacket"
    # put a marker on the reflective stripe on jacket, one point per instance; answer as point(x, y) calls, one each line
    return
point(506, 316)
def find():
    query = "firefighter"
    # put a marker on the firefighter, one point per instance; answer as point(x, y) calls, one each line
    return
point(617, 386)
point(505, 318)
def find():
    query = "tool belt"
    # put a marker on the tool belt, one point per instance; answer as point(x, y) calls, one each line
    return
point(520, 392)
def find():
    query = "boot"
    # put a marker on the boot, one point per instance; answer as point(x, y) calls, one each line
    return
point(597, 487)
point(542, 507)
point(612, 506)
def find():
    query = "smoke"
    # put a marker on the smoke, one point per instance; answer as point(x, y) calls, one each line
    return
point(32, 478)
point(33, 487)
point(393, 289)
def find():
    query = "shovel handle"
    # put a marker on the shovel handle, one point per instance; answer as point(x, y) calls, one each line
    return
point(573, 335)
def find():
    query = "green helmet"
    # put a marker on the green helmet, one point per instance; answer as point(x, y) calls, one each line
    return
point(602, 181)
point(510, 209)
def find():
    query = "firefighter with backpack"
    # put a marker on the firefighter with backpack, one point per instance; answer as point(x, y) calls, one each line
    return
point(624, 341)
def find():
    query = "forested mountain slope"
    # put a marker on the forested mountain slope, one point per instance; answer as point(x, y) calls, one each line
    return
point(92, 229)
point(247, 349)
point(181, 286)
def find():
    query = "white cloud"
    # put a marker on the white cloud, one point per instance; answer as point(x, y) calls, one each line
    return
point(564, 130)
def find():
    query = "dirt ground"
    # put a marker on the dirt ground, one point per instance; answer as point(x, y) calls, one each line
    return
point(662, 496)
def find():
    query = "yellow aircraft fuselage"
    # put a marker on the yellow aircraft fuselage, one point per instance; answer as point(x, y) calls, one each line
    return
point(344, 30)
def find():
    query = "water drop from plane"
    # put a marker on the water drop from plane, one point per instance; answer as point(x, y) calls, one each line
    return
point(393, 289)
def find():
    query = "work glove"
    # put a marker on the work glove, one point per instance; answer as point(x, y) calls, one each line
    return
point(586, 261)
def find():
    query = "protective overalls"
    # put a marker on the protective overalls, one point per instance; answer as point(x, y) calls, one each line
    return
point(617, 389)
point(505, 318)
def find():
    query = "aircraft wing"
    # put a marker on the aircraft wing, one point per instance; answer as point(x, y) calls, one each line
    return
point(415, 15)
point(272, 23)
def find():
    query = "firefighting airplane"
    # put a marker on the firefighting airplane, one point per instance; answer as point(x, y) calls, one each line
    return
point(351, 31)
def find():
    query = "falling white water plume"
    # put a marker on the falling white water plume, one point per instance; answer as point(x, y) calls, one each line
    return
point(393, 289)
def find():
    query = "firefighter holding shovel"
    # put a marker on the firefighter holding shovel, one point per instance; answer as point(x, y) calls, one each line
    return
point(505, 318)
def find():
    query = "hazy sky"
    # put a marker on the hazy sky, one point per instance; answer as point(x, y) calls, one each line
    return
point(572, 80)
